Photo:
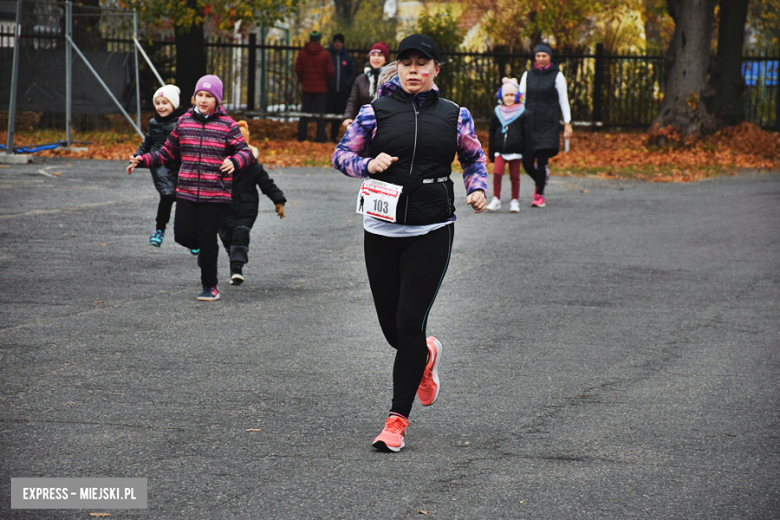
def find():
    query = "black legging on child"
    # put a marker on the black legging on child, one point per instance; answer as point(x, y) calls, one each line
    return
point(195, 227)
point(405, 275)
point(164, 210)
point(539, 172)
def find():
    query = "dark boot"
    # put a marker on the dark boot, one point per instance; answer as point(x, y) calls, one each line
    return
point(236, 276)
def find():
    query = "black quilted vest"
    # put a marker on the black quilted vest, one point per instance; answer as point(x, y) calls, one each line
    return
point(425, 140)
point(541, 99)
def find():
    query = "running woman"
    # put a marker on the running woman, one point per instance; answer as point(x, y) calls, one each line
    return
point(403, 145)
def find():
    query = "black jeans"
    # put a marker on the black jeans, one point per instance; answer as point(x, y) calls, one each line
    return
point(405, 275)
point(313, 103)
point(236, 242)
point(164, 211)
point(195, 227)
point(337, 104)
point(540, 172)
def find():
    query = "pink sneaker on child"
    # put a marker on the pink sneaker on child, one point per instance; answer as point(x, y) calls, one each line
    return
point(538, 201)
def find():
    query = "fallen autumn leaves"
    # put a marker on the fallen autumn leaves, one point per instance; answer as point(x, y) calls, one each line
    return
point(636, 155)
point(602, 154)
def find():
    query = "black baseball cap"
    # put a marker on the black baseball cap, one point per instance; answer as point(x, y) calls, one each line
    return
point(420, 42)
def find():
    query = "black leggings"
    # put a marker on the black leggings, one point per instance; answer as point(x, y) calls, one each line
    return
point(195, 227)
point(405, 275)
point(164, 210)
point(540, 172)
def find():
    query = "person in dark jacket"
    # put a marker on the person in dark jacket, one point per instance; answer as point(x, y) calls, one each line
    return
point(509, 142)
point(403, 145)
point(545, 90)
point(166, 106)
point(314, 69)
point(242, 214)
point(366, 87)
point(341, 84)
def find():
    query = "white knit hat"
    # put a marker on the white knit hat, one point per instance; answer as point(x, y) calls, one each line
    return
point(169, 92)
point(512, 82)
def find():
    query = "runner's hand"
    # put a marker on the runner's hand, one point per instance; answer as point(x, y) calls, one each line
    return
point(347, 122)
point(280, 210)
point(476, 200)
point(381, 163)
point(227, 166)
point(567, 131)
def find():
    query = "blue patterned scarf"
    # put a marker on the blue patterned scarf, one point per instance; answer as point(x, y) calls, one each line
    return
point(508, 114)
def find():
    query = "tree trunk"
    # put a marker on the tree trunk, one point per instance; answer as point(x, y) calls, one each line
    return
point(686, 68)
point(345, 10)
point(726, 75)
point(190, 61)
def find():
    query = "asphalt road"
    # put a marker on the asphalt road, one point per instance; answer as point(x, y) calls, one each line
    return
point(613, 355)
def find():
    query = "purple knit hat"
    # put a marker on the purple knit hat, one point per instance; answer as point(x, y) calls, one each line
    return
point(212, 85)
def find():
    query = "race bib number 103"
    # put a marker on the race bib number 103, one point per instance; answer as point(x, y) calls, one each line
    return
point(378, 199)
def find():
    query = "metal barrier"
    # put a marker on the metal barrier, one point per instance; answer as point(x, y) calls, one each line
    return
point(102, 79)
point(71, 46)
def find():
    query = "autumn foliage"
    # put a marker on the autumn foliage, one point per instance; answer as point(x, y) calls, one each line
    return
point(677, 159)
point(662, 155)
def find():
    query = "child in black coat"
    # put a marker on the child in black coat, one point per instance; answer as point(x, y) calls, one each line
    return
point(165, 177)
point(509, 141)
point(234, 233)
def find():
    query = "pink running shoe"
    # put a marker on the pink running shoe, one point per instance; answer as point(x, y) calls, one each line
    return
point(392, 437)
point(428, 391)
point(538, 201)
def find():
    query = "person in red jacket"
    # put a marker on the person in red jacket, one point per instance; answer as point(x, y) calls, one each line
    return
point(314, 69)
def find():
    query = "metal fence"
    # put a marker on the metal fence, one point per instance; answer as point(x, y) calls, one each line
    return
point(761, 103)
point(609, 90)
point(101, 35)
point(630, 89)
point(612, 90)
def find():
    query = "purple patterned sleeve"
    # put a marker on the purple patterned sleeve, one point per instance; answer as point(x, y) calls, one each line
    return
point(348, 156)
point(470, 154)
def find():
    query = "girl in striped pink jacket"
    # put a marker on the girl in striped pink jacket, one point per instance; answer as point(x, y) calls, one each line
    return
point(211, 148)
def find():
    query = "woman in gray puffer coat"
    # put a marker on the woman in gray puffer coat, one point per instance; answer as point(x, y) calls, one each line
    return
point(366, 86)
point(165, 177)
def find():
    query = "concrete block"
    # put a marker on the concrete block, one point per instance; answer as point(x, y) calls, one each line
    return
point(6, 158)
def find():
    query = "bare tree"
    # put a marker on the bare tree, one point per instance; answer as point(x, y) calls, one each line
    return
point(188, 18)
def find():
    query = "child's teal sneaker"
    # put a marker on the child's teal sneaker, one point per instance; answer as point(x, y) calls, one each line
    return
point(156, 239)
